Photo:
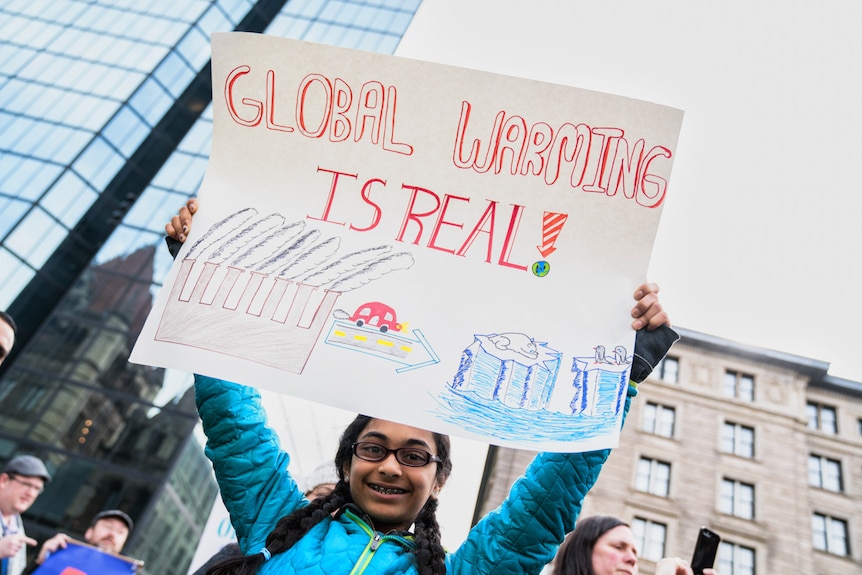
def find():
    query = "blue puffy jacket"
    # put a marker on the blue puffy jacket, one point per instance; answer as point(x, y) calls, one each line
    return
point(520, 537)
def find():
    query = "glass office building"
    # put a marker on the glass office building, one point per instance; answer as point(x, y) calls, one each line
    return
point(104, 132)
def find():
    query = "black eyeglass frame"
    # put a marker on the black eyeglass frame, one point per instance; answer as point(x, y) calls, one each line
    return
point(27, 484)
point(429, 457)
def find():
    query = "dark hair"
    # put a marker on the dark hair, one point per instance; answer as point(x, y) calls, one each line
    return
point(575, 556)
point(428, 550)
point(8, 319)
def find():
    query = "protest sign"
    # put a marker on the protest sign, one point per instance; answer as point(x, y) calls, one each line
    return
point(78, 558)
point(443, 247)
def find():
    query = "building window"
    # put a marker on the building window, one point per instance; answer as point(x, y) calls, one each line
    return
point(739, 385)
point(830, 534)
point(653, 476)
point(650, 538)
point(668, 369)
point(658, 419)
point(825, 473)
point(737, 439)
point(821, 417)
point(735, 559)
point(737, 498)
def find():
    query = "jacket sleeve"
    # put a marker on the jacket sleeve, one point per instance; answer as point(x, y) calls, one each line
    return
point(249, 464)
point(523, 534)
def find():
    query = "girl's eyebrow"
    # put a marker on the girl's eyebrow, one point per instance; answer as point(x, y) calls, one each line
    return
point(383, 437)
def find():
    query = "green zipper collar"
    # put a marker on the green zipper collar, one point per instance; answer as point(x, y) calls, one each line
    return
point(375, 540)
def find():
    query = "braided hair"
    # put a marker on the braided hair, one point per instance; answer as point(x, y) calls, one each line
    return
point(428, 549)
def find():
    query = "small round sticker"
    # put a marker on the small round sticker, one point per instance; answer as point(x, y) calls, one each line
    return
point(541, 269)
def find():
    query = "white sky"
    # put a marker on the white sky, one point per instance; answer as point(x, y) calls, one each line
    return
point(759, 240)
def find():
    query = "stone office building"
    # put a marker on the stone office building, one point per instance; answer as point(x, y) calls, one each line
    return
point(761, 446)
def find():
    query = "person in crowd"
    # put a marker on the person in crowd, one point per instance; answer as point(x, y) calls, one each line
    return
point(22, 480)
point(8, 331)
point(381, 517)
point(108, 531)
point(321, 481)
point(605, 545)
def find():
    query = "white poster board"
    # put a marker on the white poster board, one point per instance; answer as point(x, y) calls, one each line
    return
point(442, 247)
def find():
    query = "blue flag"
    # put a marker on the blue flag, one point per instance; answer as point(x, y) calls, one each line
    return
point(82, 559)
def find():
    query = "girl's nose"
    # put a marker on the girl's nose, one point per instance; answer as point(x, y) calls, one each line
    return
point(389, 465)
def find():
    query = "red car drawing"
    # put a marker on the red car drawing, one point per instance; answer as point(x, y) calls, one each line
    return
point(376, 314)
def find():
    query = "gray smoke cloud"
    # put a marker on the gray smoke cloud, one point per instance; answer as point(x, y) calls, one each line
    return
point(267, 245)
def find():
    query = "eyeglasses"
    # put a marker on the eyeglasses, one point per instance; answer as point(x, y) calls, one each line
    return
point(409, 456)
point(27, 484)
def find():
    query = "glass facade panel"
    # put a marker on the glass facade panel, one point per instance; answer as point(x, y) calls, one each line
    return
point(126, 131)
point(36, 249)
point(25, 178)
point(47, 105)
point(174, 74)
point(303, 8)
point(69, 199)
point(12, 58)
point(98, 163)
point(15, 278)
point(14, 130)
point(35, 33)
point(151, 101)
point(57, 143)
point(12, 211)
point(214, 20)
point(195, 49)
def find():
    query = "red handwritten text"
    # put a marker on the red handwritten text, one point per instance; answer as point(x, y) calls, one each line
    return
point(322, 108)
point(438, 213)
point(595, 159)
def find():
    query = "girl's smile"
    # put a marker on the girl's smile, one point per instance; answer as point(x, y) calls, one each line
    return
point(392, 493)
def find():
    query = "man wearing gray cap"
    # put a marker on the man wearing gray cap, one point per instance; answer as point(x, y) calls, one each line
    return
point(21, 481)
point(108, 531)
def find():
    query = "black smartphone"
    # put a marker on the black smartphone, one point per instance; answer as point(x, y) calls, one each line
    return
point(704, 550)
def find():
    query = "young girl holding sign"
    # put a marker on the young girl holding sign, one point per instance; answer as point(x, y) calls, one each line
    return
point(380, 518)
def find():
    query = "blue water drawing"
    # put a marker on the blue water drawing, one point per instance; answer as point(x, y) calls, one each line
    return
point(510, 386)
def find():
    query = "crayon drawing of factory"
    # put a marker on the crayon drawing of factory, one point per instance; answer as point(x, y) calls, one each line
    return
point(262, 288)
